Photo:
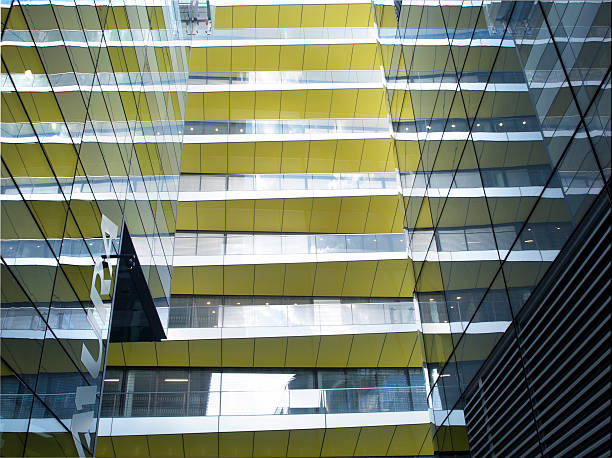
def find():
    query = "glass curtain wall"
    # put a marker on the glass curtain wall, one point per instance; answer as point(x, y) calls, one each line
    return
point(72, 74)
point(554, 117)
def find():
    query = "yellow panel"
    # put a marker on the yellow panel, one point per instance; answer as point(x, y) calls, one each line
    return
point(182, 280)
point(375, 155)
point(296, 215)
point(365, 350)
point(216, 106)
point(359, 278)
point(210, 215)
point(321, 156)
point(204, 353)
point(305, 442)
point(201, 445)
point(407, 289)
point(353, 214)
point(313, 15)
point(267, 58)
point(241, 157)
point(172, 353)
point(190, 162)
point(242, 105)
point(291, 57)
point(335, 16)
point(131, 446)
point(374, 440)
point(370, 103)
point(223, 17)
point(41, 107)
point(197, 61)
point(348, 156)
point(359, 16)
point(104, 447)
point(186, 218)
point(267, 16)
point(270, 443)
point(218, 59)
point(269, 279)
point(343, 103)
point(293, 104)
point(239, 215)
point(299, 279)
point(334, 351)
point(267, 104)
point(238, 280)
point(270, 352)
point(389, 277)
point(294, 157)
point(166, 445)
point(408, 154)
point(325, 213)
point(318, 103)
point(315, 57)
point(268, 215)
point(381, 214)
point(268, 156)
point(290, 16)
point(139, 354)
point(302, 351)
point(115, 355)
point(243, 58)
point(411, 440)
point(339, 57)
point(244, 17)
point(237, 352)
point(214, 158)
point(364, 57)
point(329, 278)
point(399, 350)
point(340, 441)
point(195, 107)
point(438, 347)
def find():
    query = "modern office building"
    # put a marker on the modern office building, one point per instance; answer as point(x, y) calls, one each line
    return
point(300, 228)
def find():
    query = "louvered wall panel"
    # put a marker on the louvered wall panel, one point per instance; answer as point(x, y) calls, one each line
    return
point(545, 389)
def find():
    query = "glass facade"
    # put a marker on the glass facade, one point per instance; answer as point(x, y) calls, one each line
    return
point(80, 158)
point(508, 165)
point(338, 209)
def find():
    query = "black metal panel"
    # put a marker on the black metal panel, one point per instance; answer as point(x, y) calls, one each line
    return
point(135, 318)
point(545, 389)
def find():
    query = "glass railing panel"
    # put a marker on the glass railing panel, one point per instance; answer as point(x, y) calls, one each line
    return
point(256, 403)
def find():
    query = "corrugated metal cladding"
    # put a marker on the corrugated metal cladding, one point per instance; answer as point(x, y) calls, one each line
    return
point(545, 389)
